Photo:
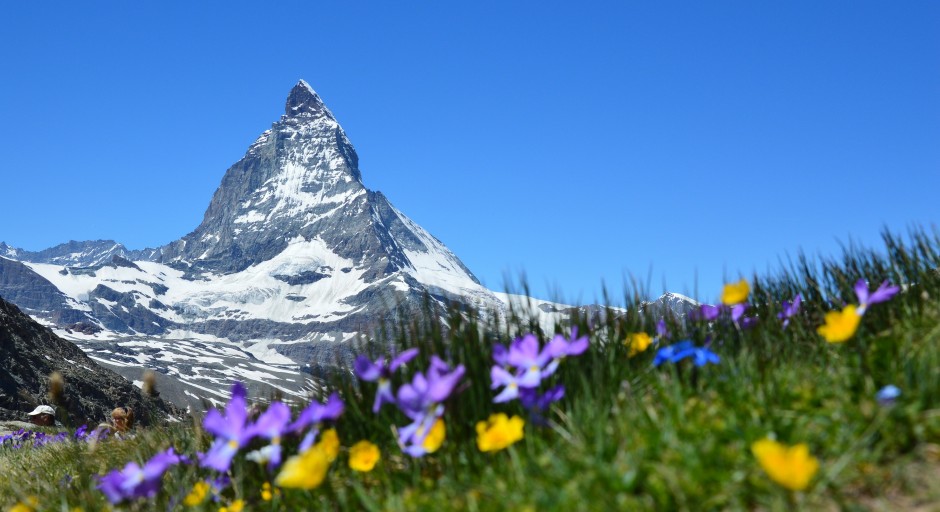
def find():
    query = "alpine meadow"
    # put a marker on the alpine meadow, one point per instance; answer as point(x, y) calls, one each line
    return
point(484, 256)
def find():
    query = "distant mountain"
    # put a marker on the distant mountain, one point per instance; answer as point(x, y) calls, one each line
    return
point(671, 303)
point(293, 259)
point(76, 254)
point(29, 353)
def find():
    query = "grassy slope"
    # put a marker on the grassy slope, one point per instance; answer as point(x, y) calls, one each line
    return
point(628, 436)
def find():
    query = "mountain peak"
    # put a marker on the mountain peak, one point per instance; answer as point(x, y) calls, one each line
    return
point(303, 101)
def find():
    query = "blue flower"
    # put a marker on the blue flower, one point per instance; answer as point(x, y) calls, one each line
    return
point(888, 394)
point(684, 349)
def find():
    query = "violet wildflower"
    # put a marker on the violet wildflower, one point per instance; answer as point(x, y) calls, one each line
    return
point(533, 401)
point(270, 425)
point(561, 347)
point(315, 414)
point(737, 316)
point(523, 369)
point(413, 438)
point(230, 431)
point(525, 355)
point(382, 372)
point(790, 309)
point(537, 403)
point(502, 377)
point(423, 394)
point(421, 401)
point(865, 298)
point(501, 355)
point(135, 481)
point(531, 365)
point(661, 331)
point(707, 312)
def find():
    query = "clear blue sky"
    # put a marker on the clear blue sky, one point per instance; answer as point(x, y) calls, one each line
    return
point(577, 142)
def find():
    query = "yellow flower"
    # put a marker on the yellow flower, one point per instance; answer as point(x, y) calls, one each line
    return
point(840, 326)
point(29, 505)
point(329, 443)
point(197, 495)
point(499, 432)
point(363, 456)
point(306, 470)
point(790, 466)
point(637, 342)
point(267, 493)
point(235, 506)
point(735, 293)
point(435, 437)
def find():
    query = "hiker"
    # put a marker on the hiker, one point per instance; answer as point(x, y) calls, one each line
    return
point(122, 419)
point(43, 416)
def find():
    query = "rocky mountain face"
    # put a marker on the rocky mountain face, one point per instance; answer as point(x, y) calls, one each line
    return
point(293, 259)
point(29, 353)
point(671, 303)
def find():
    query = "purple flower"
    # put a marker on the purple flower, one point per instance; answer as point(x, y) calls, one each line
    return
point(421, 401)
point(501, 377)
point(411, 437)
point(314, 414)
point(790, 309)
point(884, 292)
point(230, 431)
point(501, 355)
point(382, 372)
point(137, 482)
point(533, 401)
point(423, 394)
point(706, 312)
point(661, 331)
point(561, 347)
point(317, 412)
point(525, 355)
point(523, 369)
point(737, 316)
point(270, 425)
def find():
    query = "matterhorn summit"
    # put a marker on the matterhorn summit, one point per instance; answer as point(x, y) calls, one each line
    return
point(293, 259)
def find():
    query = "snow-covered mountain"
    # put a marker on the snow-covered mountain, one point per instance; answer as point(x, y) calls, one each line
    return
point(294, 258)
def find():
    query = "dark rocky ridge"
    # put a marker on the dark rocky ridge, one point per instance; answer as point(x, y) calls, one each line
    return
point(35, 294)
point(29, 353)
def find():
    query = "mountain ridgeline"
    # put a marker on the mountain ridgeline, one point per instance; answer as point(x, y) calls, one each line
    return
point(293, 259)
